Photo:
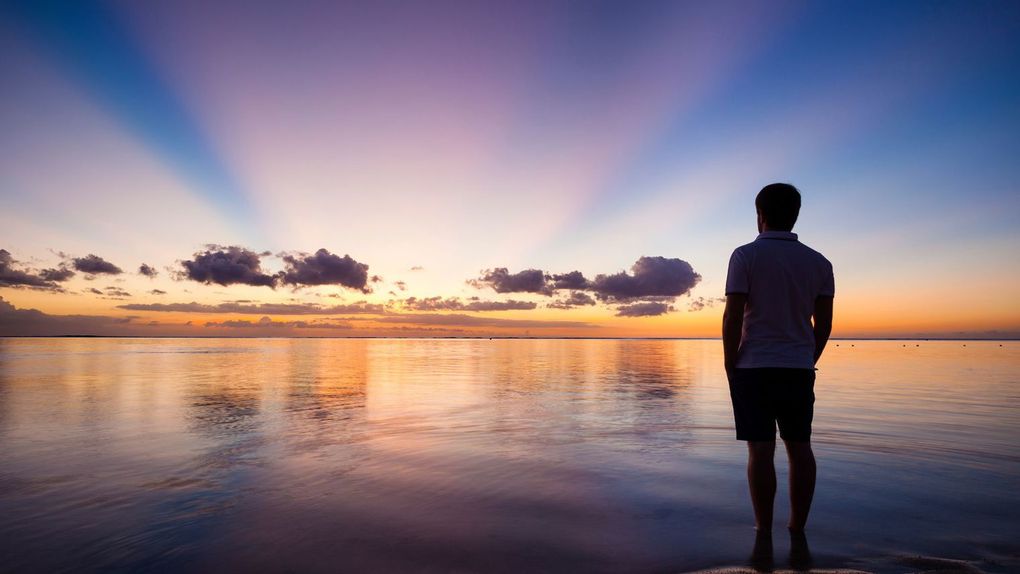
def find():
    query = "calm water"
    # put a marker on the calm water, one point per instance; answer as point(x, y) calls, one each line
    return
point(476, 455)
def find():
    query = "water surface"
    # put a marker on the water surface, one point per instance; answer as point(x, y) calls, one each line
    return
point(314, 455)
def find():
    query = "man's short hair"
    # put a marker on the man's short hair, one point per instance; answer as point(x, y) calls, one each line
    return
point(779, 204)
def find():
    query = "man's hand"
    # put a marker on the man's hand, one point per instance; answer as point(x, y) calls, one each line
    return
point(733, 325)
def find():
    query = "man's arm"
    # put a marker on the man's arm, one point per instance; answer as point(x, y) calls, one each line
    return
point(732, 325)
point(823, 324)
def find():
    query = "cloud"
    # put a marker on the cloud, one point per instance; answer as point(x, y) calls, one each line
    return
point(147, 270)
point(117, 292)
point(94, 291)
point(704, 303)
point(266, 322)
point(360, 307)
point(401, 285)
point(157, 292)
point(473, 304)
point(652, 277)
point(657, 280)
point(576, 299)
point(227, 265)
point(11, 276)
point(572, 280)
point(58, 275)
point(95, 265)
point(325, 268)
point(475, 321)
point(502, 281)
point(33, 322)
point(643, 309)
point(417, 268)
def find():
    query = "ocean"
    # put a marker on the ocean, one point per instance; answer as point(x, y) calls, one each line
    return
point(475, 455)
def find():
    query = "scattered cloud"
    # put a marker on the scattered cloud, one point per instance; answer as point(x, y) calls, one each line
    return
point(157, 292)
point(456, 304)
point(417, 268)
point(475, 321)
point(227, 265)
point(94, 291)
point(401, 285)
point(643, 309)
point(576, 299)
point(704, 303)
point(117, 292)
point(651, 280)
point(95, 265)
point(12, 275)
point(360, 307)
point(147, 270)
point(325, 268)
point(266, 322)
point(58, 275)
point(502, 281)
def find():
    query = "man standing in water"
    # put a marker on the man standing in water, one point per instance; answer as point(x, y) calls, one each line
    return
point(775, 287)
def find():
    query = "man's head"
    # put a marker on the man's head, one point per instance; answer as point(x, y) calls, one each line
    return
point(778, 205)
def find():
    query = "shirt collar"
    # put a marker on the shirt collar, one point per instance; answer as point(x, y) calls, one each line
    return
point(786, 235)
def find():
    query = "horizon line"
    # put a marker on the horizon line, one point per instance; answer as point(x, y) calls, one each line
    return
point(479, 337)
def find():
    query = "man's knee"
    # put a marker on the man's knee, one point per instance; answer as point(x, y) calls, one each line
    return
point(798, 448)
point(761, 449)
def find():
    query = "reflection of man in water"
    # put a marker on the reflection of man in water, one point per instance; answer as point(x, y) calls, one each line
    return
point(775, 287)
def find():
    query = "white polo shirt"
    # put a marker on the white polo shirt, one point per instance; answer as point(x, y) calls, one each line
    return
point(782, 277)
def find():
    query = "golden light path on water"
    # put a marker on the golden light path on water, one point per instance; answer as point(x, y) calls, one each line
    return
point(496, 455)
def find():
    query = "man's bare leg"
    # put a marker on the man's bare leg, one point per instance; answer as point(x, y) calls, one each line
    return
point(761, 478)
point(802, 482)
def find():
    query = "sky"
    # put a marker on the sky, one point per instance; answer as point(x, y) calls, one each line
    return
point(520, 168)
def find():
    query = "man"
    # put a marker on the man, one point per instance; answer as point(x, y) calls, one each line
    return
point(775, 287)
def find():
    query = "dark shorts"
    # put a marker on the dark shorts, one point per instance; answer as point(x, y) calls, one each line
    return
point(766, 396)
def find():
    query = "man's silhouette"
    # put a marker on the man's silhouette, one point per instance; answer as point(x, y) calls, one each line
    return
point(775, 287)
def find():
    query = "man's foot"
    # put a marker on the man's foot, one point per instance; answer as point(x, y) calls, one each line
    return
point(761, 555)
point(800, 554)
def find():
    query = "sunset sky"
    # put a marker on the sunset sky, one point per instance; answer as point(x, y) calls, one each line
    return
point(442, 168)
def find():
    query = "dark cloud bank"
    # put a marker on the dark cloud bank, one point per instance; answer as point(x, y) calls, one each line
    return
point(33, 322)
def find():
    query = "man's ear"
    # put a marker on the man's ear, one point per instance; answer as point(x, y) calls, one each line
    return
point(761, 222)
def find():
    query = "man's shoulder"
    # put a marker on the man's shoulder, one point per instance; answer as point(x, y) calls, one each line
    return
point(743, 249)
point(816, 255)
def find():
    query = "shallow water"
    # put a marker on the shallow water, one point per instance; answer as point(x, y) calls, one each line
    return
point(474, 455)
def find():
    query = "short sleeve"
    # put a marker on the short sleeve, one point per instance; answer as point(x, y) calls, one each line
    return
point(828, 282)
point(737, 280)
